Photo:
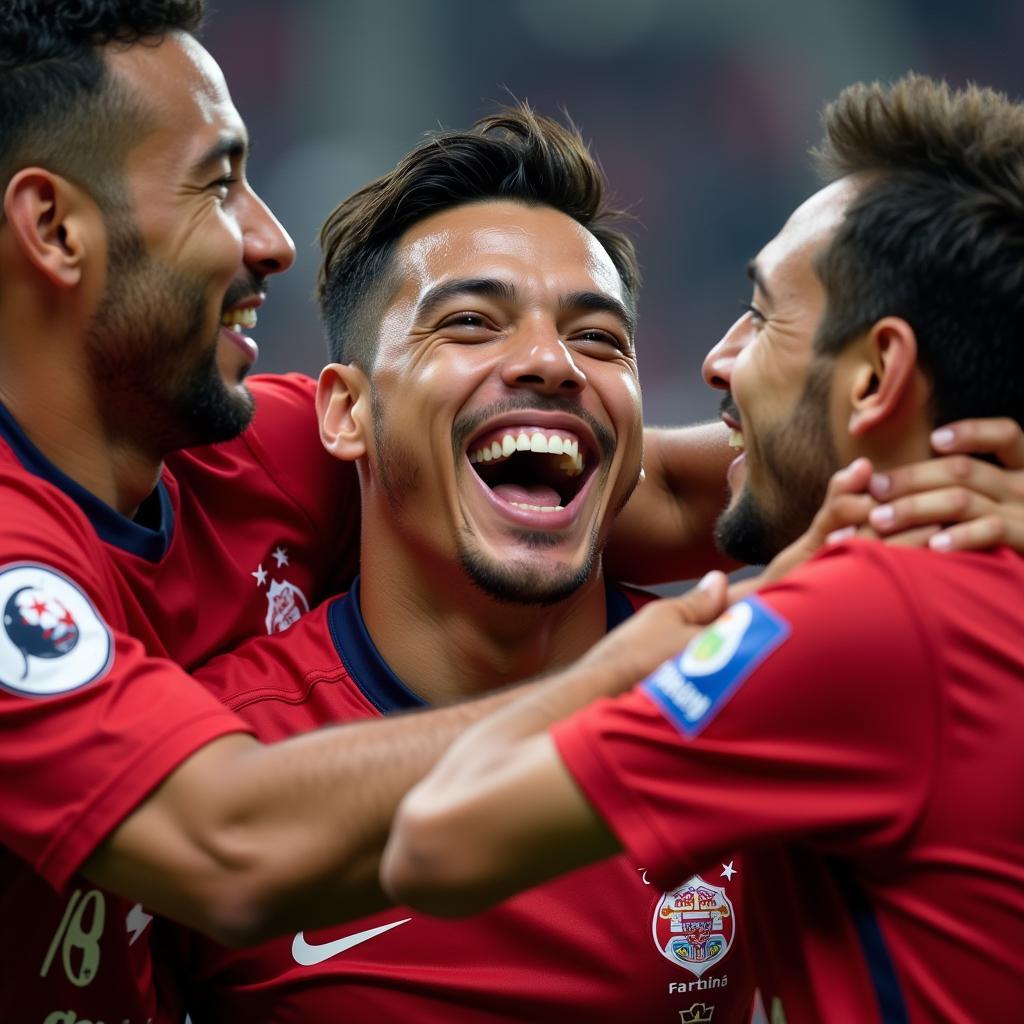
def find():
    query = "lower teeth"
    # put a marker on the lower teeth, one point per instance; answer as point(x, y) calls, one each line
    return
point(538, 508)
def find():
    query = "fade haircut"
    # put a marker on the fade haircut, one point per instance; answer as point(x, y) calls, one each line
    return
point(60, 108)
point(936, 235)
point(515, 155)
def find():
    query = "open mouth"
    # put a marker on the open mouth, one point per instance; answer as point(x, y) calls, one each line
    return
point(532, 468)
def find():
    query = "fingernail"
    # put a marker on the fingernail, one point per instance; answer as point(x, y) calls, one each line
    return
point(942, 438)
point(882, 516)
point(841, 534)
point(940, 542)
point(708, 579)
point(880, 484)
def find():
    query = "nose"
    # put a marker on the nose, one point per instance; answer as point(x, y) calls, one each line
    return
point(540, 360)
point(717, 366)
point(269, 249)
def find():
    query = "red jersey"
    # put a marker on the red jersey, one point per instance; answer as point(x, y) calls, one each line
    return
point(600, 945)
point(97, 608)
point(858, 728)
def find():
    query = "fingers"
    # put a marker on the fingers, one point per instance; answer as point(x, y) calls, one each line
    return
point(1001, 437)
point(962, 471)
point(846, 505)
point(978, 534)
point(934, 507)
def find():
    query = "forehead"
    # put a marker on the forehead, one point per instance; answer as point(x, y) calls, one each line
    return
point(534, 247)
point(787, 261)
point(183, 89)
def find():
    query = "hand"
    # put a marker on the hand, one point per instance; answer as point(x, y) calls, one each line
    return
point(843, 513)
point(978, 504)
point(657, 632)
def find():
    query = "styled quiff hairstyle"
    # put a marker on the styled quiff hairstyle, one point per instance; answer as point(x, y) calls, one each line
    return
point(515, 155)
point(935, 236)
point(60, 108)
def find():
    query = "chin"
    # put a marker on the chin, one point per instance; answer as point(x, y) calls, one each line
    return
point(526, 581)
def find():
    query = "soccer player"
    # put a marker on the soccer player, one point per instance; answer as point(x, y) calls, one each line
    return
point(133, 256)
point(481, 303)
point(858, 726)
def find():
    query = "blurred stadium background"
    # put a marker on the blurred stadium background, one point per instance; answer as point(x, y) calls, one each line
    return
point(700, 110)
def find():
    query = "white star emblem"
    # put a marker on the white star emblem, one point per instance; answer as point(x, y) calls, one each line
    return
point(280, 556)
point(260, 575)
point(728, 871)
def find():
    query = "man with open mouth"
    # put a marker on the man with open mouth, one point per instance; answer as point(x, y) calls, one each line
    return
point(856, 728)
point(492, 408)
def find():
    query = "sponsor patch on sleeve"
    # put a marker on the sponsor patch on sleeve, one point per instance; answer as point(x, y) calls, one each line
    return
point(52, 638)
point(691, 688)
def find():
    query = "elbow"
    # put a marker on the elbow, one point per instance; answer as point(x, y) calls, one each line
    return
point(241, 907)
point(244, 893)
point(434, 866)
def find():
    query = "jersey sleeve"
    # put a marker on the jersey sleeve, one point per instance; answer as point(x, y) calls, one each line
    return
point(285, 439)
point(91, 721)
point(804, 715)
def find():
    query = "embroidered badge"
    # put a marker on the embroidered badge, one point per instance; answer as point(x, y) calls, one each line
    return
point(694, 925)
point(691, 688)
point(53, 639)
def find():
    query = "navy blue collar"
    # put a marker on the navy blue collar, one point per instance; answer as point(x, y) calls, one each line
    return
point(113, 528)
point(370, 672)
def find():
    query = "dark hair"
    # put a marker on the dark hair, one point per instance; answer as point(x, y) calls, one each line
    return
point(936, 235)
point(59, 106)
point(515, 154)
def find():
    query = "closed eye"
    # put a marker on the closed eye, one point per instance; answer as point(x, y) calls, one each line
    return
point(595, 338)
point(749, 307)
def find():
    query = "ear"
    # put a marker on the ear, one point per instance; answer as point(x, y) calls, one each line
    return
point(51, 220)
point(343, 408)
point(884, 376)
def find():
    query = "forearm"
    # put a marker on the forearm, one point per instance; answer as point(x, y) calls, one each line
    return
point(247, 840)
point(665, 532)
point(500, 811)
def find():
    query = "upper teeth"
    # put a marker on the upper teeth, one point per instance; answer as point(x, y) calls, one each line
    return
point(735, 439)
point(571, 463)
point(240, 318)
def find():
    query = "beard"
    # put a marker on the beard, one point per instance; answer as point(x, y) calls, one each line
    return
point(798, 457)
point(522, 582)
point(149, 359)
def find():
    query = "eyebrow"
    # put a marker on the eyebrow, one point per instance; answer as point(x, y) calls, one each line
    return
point(234, 147)
point(485, 287)
point(754, 273)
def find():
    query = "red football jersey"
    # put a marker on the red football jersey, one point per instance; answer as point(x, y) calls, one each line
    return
point(858, 729)
point(601, 945)
point(97, 608)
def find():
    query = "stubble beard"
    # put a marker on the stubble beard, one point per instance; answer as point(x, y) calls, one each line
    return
point(800, 456)
point(160, 381)
point(515, 582)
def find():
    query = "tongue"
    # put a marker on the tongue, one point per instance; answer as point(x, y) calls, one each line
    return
point(528, 494)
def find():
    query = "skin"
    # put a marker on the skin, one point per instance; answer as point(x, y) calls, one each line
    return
point(217, 237)
point(242, 840)
point(484, 824)
point(547, 342)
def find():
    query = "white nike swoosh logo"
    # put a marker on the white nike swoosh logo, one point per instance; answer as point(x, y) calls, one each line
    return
point(308, 955)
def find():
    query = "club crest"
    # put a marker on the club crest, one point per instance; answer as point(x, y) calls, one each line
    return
point(52, 638)
point(286, 604)
point(694, 925)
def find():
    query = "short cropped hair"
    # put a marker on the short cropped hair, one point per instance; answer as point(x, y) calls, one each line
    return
point(59, 106)
point(515, 155)
point(935, 236)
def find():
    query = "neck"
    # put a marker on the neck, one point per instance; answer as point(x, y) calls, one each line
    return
point(450, 641)
point(45, 383)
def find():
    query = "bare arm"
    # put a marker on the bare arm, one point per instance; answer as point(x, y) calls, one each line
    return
point(665, 531)
point(246, 840)
point(500, 813)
